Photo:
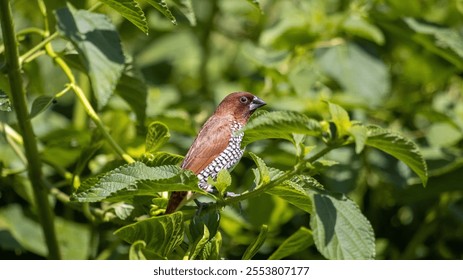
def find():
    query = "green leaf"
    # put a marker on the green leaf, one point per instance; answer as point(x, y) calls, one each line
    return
point(360, 134)
point(158, 135)
point(297, 242)
point(162, 7)
point(209, 219)
point(358, 26)
point(264, 173)
point(295, 191)
point(264, 57)
point(279, 124)
point(294, 194)
point(57, 150)
point(41, 104)
point(130, 10)
point(74, 238)
point(358, 73)
point(132, 88)
point(138, 251)
point(255, 246)
point(216, 244)
point(340, 230)
point(444, 134)
point(199, 245)
point(137, 179)
point(186, 7)
point(399, 147)
point(121, 210)
point(445, 38)
point(161, 234)
point(98, 45)
point(87, 153)
point(256, 4)
point(341, 119)
point(222, 182)
point(161, 158)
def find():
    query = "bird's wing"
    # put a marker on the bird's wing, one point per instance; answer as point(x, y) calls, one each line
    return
point(210, 142)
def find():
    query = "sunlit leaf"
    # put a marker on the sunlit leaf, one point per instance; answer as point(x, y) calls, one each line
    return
point(256, 244)
point(137, 179)
point(162, 7)
point(445, 38)
point(359, 26)
point(264, 173)
point(295, 191)
point(358, 72)
point(341, 119)
point(186, 7)
point(264, 57)
point(199, 245)
point(130, 9)
point(99, 46)
point(158, 135)
point(360, 134)
point(399, 147)
point(256, 4)
point(122, 210)
point(279, 124)
point(340, 230)
point(161, 158)
point(222, 182)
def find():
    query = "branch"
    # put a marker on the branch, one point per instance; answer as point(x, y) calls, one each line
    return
point(18, 98)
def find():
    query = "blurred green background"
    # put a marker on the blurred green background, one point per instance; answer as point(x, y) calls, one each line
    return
point(394, 63)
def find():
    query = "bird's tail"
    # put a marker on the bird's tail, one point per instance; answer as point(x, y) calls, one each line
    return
point(175, 201)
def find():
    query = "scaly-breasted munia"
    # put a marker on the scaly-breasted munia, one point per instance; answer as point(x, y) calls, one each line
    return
point(218, 144)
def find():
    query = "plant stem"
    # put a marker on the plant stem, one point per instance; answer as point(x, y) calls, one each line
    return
point(38, 47)
point(44, 211)
point(86, 104)
point(96, 119)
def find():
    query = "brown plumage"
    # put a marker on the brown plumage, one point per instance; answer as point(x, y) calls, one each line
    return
point(218, 144)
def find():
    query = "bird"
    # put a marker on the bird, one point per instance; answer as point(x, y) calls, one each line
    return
point(218, 143)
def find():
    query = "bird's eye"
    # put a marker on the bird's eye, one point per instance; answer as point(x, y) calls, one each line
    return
point(243, 99)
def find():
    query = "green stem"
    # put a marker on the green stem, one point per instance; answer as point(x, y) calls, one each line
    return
point(86, 104)
point(38, 47)
point(96, 119)
point(18, 98)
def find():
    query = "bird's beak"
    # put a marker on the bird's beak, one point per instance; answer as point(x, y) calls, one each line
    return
point(256, 103)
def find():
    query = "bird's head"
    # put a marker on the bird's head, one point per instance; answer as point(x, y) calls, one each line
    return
point(240, 105)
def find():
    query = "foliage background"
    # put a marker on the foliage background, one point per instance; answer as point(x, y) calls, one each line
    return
point(388, 62)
